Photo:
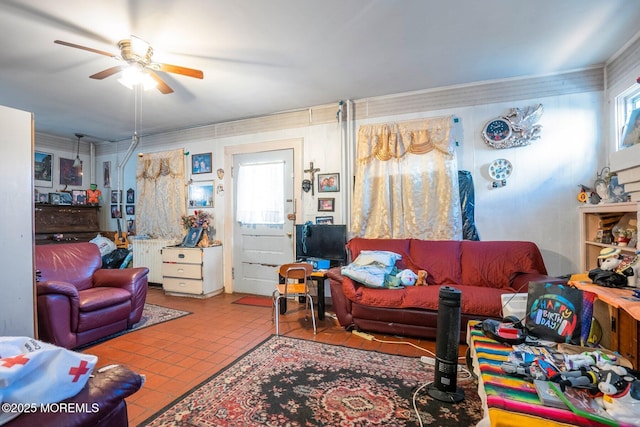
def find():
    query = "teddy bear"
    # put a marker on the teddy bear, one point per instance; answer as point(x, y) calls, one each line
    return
point(422, 278)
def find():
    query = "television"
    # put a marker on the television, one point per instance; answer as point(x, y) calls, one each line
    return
point(322, 241)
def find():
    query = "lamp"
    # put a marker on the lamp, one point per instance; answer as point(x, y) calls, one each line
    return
point(134, 75)
point(77, 162)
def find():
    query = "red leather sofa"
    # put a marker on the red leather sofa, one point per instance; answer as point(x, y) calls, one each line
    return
point(481, 270)
point(78, 301)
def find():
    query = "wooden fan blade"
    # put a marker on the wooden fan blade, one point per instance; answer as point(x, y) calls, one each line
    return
point(162, 86)
point(190, 72)
point(106, 73)
point(77, 46)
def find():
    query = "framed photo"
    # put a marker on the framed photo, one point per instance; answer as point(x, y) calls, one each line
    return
point(131, 227)
point(324, 220)
point(116, 196)
point(326, 205)
point(78, 197)
point(68, 174)
point(328, 182)
point(200, 163)
point(42, 172)
point(43, 197)
point(54, 198)
point(106, 173)
point(130, 209)
point(66, 198)
point(115, 212)
point(193, 237)
point(201, 195)
point(131, 196)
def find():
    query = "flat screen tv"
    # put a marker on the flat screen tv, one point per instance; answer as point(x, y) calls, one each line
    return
point(322, 241)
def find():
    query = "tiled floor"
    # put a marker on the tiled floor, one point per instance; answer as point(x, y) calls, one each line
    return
point(177, 355)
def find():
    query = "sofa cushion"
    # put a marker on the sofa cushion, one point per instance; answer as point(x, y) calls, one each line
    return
point(439, 258)
point(495, 264)
point(474, 300)
point(97, 298)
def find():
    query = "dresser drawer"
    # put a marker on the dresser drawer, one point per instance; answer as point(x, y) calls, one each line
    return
point(182, 255)
point(185, 286)
point(189, 271)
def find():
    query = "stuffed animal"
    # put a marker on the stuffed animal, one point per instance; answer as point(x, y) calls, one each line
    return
point(621, 397)
point(407, 277)
point(422, 278)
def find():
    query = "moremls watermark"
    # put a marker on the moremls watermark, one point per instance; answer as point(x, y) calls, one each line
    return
point(51, 408)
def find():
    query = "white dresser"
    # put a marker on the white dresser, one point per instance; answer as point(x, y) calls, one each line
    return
point(193, 272)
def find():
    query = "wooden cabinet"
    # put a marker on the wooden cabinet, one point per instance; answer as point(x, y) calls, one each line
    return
point(618, 314)
point(195, 272)
point(63, 223)
point(592, 218)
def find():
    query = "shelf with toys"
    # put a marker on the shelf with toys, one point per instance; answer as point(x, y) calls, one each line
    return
point(607, 225)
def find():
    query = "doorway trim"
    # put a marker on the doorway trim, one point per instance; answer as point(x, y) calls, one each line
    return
point(297, 145)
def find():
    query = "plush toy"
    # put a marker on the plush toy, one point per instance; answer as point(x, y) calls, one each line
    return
point(407, 277)
point(422, 278)
point(621, 397)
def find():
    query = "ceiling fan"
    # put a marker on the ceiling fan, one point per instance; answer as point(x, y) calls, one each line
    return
point(136, 55)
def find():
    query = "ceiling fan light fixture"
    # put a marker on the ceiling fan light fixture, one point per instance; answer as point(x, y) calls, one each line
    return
point(134, 75)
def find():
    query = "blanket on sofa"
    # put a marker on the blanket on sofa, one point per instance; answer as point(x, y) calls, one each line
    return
point(372, 268)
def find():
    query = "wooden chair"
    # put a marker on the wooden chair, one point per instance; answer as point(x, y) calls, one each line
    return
point(296, 284)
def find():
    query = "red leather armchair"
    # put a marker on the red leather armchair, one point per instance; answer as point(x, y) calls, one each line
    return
point(78, 302)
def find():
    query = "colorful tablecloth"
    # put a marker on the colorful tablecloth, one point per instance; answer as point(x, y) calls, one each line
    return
point(509, 400)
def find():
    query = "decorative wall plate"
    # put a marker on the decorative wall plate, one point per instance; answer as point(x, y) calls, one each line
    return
point(500, 169)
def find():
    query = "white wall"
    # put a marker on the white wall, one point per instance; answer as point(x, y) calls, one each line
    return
point(16, 225)
point(538, 204)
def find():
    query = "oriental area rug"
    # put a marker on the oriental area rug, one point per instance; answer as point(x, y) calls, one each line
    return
point(151, 315)
point(294, 382)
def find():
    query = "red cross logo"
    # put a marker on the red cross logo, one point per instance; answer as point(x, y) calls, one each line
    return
point(9, 362)
point(79, 371)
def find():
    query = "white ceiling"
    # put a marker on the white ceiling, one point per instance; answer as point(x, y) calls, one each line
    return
point(263, 57)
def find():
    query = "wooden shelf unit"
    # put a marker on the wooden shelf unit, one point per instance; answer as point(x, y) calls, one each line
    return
point(590, 218)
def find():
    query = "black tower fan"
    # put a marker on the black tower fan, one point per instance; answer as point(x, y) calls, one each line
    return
point(444, 386)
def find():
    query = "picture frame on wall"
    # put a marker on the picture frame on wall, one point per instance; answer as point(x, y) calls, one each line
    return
point(130, 209)
point(115, 212)
point(116, 196)
point(201, 195)
point(131, 196)
point(328, 182)
point(326, 205)
point(106, 174)
point(324, 220)
point(201, 163)
point(68, 174)
point(42, 169)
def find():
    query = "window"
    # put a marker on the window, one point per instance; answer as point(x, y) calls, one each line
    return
point(261, 194)
point(628, 117)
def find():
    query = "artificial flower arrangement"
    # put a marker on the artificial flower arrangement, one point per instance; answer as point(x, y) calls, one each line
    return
point(198, 219)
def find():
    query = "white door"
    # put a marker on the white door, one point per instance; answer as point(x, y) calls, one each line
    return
point(263, 230)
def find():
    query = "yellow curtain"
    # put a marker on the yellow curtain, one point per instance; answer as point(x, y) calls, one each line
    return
point(406, 181)
point(161, 191)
